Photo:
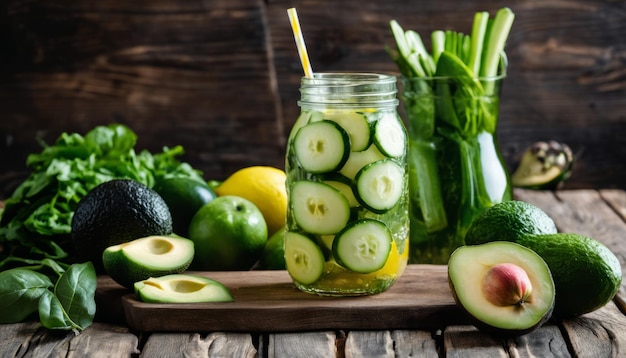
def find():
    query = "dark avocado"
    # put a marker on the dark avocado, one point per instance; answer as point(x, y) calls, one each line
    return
point(115, 212)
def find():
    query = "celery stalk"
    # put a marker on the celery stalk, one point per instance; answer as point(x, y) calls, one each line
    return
point(437, 39)
point(494, 45)
point(479, 28)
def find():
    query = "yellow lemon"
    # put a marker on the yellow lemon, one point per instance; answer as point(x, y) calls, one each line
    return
point(265, 187)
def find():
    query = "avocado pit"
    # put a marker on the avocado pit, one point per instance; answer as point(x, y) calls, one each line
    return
point(507, 284)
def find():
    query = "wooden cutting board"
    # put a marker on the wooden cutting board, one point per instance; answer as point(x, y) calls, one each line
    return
point(268, 301)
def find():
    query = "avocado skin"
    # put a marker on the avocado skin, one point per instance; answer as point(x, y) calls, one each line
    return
point(114, 212)
point(586, 273)
point(509, 221)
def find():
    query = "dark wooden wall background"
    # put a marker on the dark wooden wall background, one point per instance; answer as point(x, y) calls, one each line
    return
point(220, 77)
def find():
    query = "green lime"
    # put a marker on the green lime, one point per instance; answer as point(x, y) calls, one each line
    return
point(273, 257)
point(184, 197)
point(229, 233)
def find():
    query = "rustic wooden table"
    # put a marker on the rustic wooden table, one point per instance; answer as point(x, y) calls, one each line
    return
point(600, 214)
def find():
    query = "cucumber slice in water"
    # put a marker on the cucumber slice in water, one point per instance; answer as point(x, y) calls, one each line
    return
point(303, 258)
point(363, 246)
point(358, 160)
point(379, 185)
point(321, 147)
point(345, 187)
point(356, 125)
point(319, 208)
point(390, 136)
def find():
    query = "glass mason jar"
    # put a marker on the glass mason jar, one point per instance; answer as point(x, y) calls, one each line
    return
point(347, 185)
point(456, 170)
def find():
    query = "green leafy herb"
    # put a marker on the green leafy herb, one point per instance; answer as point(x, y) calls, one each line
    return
point(72, 304)
point(36, 221)
point(20, 290)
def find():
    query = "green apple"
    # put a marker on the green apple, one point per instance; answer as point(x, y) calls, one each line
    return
point(229, 233)
point(150, 256)
point(181, 288)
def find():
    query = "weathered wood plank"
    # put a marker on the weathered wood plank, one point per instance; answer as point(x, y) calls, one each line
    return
point(546, 341)
point(104, 340)
point(467, 341)
point(600, 334)
point(192, 73)
point(616, 199)
point(30, 339)
point(414, 344)
point(16, 338)
point(369, 344)
point(305, 345)
point(194, 345)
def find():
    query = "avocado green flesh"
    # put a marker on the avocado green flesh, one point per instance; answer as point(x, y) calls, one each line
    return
point(151, 256)
point(468, 266)
point(586, 273)
point(182, 288)
point(536, 180)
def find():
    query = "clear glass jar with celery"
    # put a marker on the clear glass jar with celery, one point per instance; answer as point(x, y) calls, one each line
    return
point(451, 97)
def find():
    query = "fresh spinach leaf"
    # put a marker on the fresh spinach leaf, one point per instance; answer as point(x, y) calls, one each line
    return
point(52, 315)
point(75, 292)
point(20, 290)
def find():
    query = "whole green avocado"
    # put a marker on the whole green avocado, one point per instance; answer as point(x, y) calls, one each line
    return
point(586, 273)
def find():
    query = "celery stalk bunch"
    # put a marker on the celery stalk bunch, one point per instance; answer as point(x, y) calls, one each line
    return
point(446, 95)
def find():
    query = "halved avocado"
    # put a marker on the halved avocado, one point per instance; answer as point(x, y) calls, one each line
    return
point(151, 256)
point(182, 288)
point(505, 310)
point(544, 165)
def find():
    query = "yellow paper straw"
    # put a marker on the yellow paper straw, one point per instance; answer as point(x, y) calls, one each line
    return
point(297, 35)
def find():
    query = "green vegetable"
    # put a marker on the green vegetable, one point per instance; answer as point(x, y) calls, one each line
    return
point(69, 306)
point(36, 221)
point(35, 224)
point(20, 290)
point(72, 304)
point(452, 109)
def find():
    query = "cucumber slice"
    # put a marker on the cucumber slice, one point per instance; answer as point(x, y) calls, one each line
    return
point(390, 136)
point(358, 160)
point(301, 121)
point(304, 260)
point(356, 125)
point(379, 185)
point(363, 246)
point(321, 147)
point(344, 186)
point(319, 208)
